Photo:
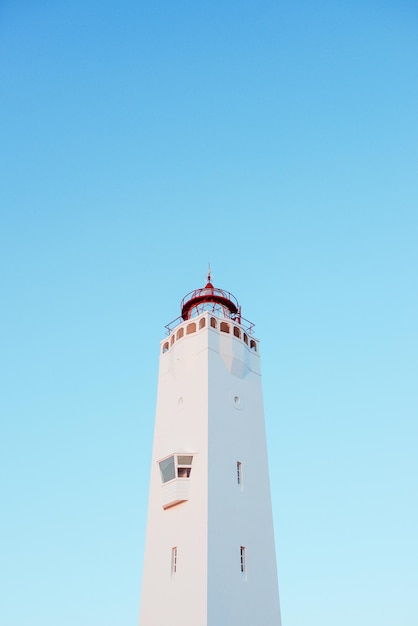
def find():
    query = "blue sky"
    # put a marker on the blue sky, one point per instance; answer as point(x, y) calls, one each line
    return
point(139, 141)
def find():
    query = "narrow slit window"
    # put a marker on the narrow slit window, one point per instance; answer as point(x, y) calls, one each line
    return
point(237, 332)
point(213, 322)
point(174, 560)
point(180, 333)
point(246, 338)
point(253, 345)
point(202, 323)
point(239, 473)
point(243, 561)
point(165, 347)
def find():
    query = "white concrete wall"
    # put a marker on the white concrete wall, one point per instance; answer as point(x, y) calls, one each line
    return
point(199, 378)
point(239, 515)
point(180, 426)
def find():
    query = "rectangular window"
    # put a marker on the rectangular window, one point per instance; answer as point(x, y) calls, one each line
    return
point(174, 560)
point(184, 463)
point(176, 466)
point(167, 469)
point(243, 562)
point(239, 473)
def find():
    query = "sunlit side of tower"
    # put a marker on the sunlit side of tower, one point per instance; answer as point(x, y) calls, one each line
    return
point(209, 551)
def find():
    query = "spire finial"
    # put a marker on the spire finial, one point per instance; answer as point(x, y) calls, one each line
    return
point(208, 271)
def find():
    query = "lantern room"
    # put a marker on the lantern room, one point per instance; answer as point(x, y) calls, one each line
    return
point(216, 301)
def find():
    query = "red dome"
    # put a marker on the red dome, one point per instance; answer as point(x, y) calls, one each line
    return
point(209, 298)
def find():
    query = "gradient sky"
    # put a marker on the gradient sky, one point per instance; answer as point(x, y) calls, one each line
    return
point(139, 140)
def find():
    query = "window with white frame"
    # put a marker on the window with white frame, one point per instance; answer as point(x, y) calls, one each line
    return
point(176, 466)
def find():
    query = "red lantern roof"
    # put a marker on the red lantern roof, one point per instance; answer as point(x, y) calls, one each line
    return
point(209, 298)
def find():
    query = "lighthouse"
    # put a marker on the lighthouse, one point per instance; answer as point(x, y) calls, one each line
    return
point(209, 550)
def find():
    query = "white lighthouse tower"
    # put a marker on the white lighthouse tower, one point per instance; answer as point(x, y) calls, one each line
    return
point(209, 553)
